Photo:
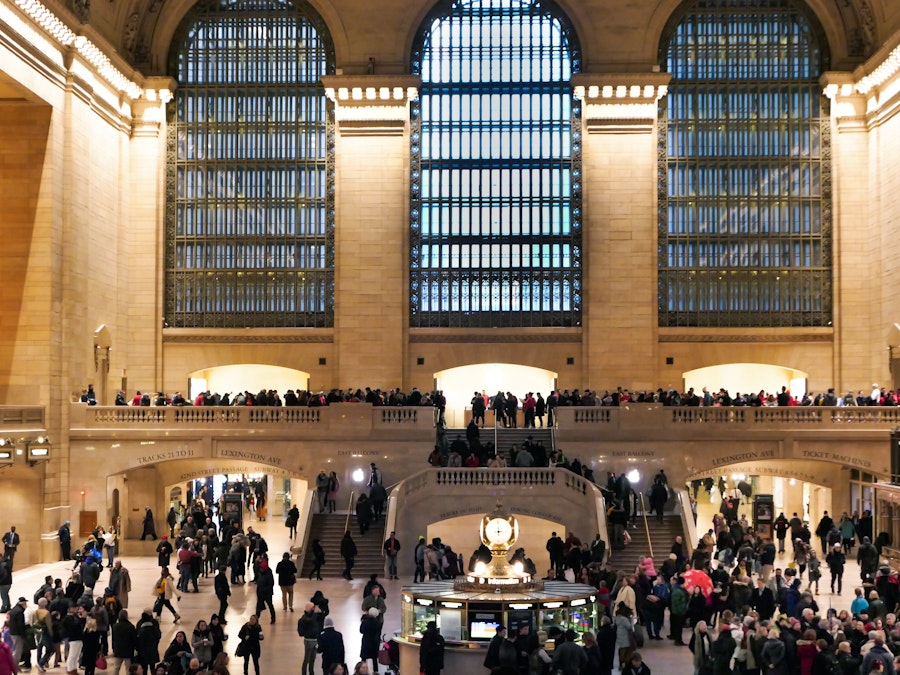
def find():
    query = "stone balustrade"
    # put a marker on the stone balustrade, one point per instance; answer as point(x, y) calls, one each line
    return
point(123, 417)
point(21, 417)
point(640, 416)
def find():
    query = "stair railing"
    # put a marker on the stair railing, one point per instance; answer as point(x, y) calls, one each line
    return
point(688, 524)
point(307, 508)
point(390, 513)
point(646, 525)
point(349, 510)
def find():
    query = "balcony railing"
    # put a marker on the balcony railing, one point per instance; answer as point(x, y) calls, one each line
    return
point(21, 416)
point(346, 416)
point(635, 417)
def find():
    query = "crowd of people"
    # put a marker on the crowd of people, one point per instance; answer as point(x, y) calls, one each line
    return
point(505, 407)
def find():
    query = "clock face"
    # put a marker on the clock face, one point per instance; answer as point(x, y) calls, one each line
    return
point(498, 531)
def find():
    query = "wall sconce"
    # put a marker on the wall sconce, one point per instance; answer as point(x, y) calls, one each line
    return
point(6, 443)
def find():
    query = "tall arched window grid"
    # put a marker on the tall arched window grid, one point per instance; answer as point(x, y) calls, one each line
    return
point(744, 168)
point(495, 215)
point(250, 175)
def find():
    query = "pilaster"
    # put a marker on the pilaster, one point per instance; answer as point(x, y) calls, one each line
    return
point(371, 225)
point(620, 175)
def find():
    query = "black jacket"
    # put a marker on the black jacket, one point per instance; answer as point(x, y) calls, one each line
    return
point(124, 639)
point(330, 645)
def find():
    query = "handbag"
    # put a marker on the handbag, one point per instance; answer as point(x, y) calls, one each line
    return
point(242, 649)
point(638, 636)
point(100, 663)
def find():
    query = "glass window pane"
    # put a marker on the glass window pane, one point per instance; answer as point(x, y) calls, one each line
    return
point(745, 178)
point(249, 234)
point(496, 168)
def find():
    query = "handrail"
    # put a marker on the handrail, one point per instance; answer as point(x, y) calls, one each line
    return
point(390, 514)
point(646, 525)
point(306, 513)
point(688, 523)
point(349, 511)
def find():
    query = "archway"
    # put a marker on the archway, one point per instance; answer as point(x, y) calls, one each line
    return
point(251, 377)
point(747, 378)
point(460, 384)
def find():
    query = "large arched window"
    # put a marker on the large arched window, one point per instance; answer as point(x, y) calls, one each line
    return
point(496, 168)
point(250, 216)
point(745, 186)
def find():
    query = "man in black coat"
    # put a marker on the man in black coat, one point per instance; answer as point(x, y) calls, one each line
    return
point(223, 591)
point(330, 644)
point(348, 553)
point(124, 643)
point(492, 659)
point(65, 541)
point(431, 650)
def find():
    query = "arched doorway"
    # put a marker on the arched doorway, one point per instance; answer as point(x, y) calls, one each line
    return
point(460, 384)
point(251, 377)
point(747, 378)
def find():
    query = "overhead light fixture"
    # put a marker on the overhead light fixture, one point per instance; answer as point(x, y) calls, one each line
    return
point(38, 450)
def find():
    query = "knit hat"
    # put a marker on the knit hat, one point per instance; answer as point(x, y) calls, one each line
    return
point(329, 622)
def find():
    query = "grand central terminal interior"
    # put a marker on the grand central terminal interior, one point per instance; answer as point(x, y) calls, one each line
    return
point(609, 199)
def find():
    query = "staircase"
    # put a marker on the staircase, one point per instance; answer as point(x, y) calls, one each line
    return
point(662, 535)
point(506, 438)
point(328, 528)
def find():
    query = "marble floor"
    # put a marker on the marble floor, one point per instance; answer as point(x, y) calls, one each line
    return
point(282, 650)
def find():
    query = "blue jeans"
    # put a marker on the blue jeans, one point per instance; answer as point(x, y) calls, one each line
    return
point(110, 554)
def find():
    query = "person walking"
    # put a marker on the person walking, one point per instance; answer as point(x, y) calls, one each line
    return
point(287, 577)
point(164, 591)
point(265, 589)
point(223, 591)
point(293, 516)
point(370, 628)
point(348, 553)
point(149, 525)
point(318, 554)
point(251, 636)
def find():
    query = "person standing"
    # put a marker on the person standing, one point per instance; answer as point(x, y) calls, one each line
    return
point(370, 628)
point(374, 475)
point(293, 516)
point(17, 627)
point(330, 644)
point(419, 559)
point(120, 583)
point(251, 636)
point(492, 658)
point(334, 485)
point(431, 650)
point(391, 549)
point(110, 537)
point(124, 643)
point(73, 629)
point(149, 525)
point(287, 577)
point(171, 520)
point(5, 585)
point(348, 553)
point(164, 551)
point(10, 545)
point(308, 627)
point(65, 541)
point(148, 637)
point(265, 589)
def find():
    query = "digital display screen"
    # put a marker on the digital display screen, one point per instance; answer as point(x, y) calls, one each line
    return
point(482, 630)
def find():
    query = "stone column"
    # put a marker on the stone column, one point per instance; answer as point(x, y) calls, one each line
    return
point(371, 226)
point(620, 223)
point(860, 338)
